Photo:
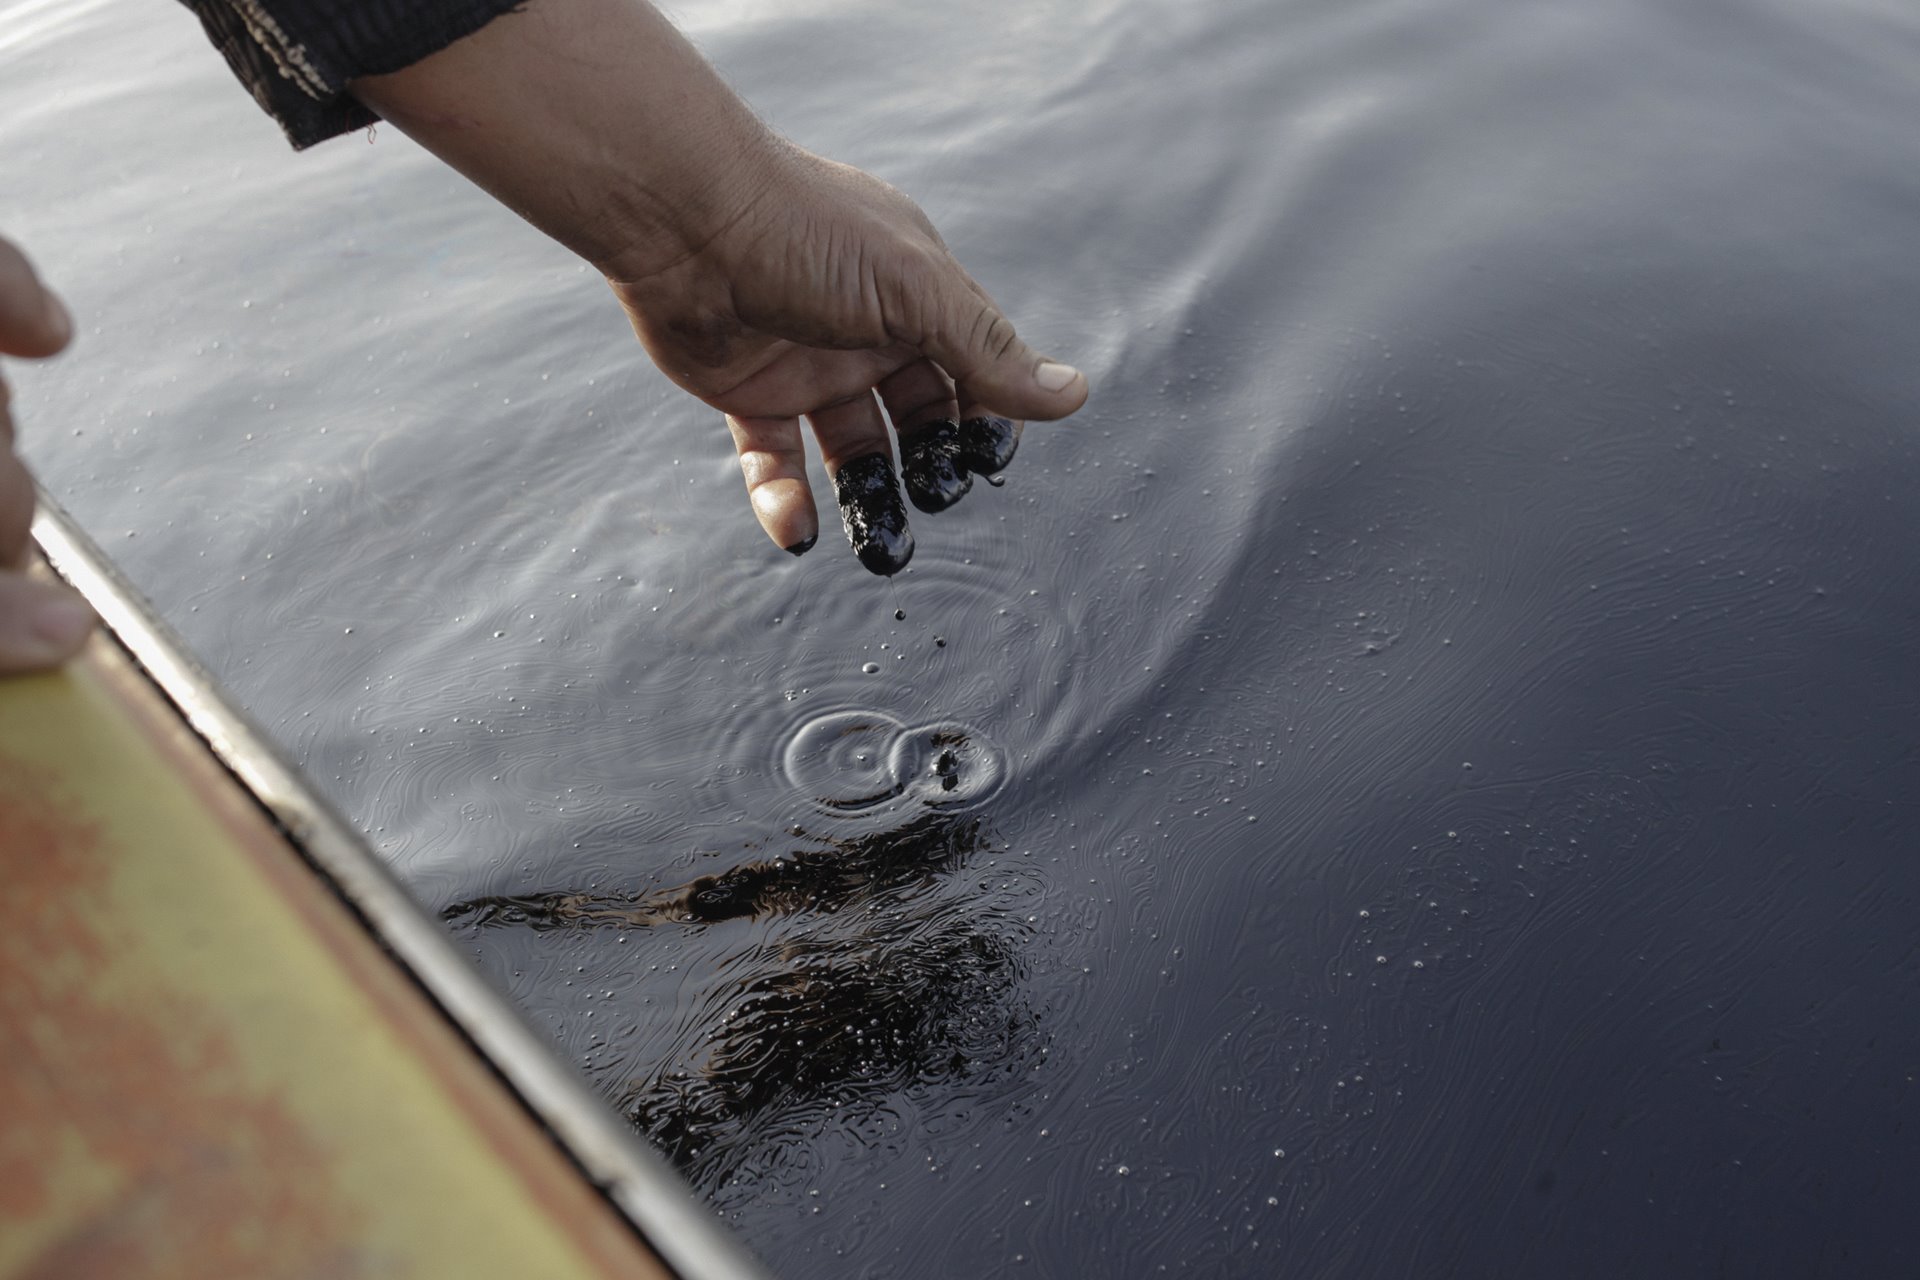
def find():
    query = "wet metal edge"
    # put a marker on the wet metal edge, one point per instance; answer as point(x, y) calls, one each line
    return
point(687, 1235)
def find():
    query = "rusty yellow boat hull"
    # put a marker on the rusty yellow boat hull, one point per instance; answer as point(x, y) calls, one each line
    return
point(230, 1046)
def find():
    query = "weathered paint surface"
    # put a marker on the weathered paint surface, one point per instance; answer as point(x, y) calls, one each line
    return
point(206, 1067)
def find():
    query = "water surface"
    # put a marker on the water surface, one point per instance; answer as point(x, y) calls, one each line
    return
point(1429, 756)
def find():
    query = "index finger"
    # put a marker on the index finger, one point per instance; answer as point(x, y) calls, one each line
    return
point(32, 321)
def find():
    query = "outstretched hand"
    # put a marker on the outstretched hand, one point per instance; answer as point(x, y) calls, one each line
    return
point(42, 623)
point(827, 288)
point(770, 283)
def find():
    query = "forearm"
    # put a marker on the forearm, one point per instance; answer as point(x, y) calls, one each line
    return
point(593, 119)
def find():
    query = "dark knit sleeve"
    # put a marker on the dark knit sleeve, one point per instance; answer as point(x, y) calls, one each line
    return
point(296, 56)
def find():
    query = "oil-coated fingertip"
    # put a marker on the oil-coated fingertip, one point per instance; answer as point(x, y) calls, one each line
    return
point(986, 445)
point(887, 557)
point(873, 515)
point(803, 546)
point(929, 463)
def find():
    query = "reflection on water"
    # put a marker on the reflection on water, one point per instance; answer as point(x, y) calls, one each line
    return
point(897, 968)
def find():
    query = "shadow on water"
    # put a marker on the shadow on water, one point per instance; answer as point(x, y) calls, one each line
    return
point(887, 963)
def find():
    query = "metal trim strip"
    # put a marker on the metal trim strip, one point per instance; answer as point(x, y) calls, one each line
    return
point(688, 1236)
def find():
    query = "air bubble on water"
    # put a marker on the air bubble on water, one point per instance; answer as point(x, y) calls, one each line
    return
point(870, 668)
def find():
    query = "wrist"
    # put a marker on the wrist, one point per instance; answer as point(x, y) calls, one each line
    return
point(653, 215)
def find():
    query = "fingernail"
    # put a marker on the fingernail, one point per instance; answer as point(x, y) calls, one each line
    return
point(873, 515)
point(803, 546)
point(930, 466)
point(987, 444)
point(1055, 377)
point(62, 624)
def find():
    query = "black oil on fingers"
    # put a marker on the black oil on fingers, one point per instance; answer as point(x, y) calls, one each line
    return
point(929, 463)
point(874, 516)
point(803, 546)
point(986, 444)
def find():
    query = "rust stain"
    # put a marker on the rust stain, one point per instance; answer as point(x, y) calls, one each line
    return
point(525, 1153)
point(190, 1172)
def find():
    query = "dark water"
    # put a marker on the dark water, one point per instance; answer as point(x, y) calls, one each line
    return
point(1419, 778)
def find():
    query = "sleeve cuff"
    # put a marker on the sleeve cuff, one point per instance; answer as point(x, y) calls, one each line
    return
point(297, 56)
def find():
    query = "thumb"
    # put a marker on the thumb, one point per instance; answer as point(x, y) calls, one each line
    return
point(32, 321)
point(42, 624)
point(991, 367)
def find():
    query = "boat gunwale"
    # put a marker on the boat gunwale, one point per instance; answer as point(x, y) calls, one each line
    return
point(662, 1208)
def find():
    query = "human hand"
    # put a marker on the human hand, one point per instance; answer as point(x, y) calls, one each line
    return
point(827, 287)
point(771, 283)
point(42, 623)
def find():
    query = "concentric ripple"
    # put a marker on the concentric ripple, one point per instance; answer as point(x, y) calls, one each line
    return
point(947, 765)
point(843, 760)
point(855, 761)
